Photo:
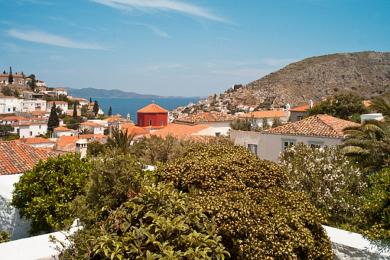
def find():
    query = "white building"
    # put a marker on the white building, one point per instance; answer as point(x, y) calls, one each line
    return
point(92, 127)
point(31, 129)
point(259, 118)
point(63, 105)
point(63, 131)
point(60, 91)
point(315, 131)
point(9, 105)
point(33, 105)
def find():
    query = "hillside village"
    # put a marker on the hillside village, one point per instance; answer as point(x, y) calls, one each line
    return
point(38, 122)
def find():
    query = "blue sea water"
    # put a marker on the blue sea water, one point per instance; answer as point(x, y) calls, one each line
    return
point(131, 105)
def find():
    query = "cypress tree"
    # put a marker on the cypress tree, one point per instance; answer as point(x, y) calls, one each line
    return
point(74, 111)
point(110, 111)
point(10, 77)
point(96, 107)
point(53, 118)
point(90, 100)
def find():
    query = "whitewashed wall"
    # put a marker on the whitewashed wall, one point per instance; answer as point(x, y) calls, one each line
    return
point(223, 128)
point(269, 146)
point(10, 220)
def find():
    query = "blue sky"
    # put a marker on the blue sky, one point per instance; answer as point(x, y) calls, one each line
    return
point(180, 47)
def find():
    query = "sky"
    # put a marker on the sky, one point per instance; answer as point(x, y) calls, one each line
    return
point(180, 47)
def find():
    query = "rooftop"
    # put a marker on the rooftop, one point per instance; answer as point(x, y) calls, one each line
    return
point(134, 130)
point(62, 129)
point(152, 108)
point(18, 158)
point(265, 114)
point(35, 140)
point(91, 124)
point(303, 108)
point(318, 125)
point(179, 130)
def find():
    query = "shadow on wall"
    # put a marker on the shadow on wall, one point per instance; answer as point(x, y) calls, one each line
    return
point(11, 222)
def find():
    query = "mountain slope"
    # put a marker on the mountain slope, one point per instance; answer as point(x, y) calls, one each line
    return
point(365, 73)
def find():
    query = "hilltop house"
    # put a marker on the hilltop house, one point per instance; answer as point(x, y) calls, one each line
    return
point(218, 123)
point(63, 105)
point(92, 127)
point(9, 105)
point(315, 131)
point(259, 118)
point(152, 116)
point(63, 131)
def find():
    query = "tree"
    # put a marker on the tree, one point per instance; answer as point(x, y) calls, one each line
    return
point(256, 215)
point(110, 111)
point(369, 145)
point(241, 124)
point(74, 111)
point(5, 130)
point(7, 91)
point(96, 148)
point(343, 106)
point(4, 237)
point(90, 100)
point(120, 140)
point(32, 83)
point(95, 108)
point(53, 121)
point(375, 220)
point(156, 223)
point(276, 122)
point(382, 105)
point(45, 193)
point(10, 76)
point(333, 184)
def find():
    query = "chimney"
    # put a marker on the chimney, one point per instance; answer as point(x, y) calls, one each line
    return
point(81, 148)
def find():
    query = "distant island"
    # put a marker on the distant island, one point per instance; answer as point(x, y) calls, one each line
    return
point(111, 93)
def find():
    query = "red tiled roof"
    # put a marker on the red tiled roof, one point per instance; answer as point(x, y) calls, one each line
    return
point(134, 130)
point(205, 117)
point(318, 125)
point(179, 130)
point(303, 108)
point(152, 108)
point(93, 136)
point(62, 129)
point(18, 158)
point(14, 118)
point(91, 124)
point(265, 114)
point(66, 143)
point(35, 140)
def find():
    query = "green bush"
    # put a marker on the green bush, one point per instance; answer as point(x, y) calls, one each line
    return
point(375, 220)
point(4, 236)
point(156, 223)
point(45, 193)
point(333, 184)
point(257, 217)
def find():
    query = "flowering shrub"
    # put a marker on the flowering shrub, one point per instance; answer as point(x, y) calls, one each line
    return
point(257, 217)
point(332, 183)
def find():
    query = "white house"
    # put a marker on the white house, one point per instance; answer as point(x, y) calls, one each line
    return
point(63, 131)
point(33, 105)
point(259, 118)
point(15, 159)
point(31, 129)
point(92, 127)
point(63, 105)
point(60, 91)
point(315, 131)
point(218, 123)
point(9, 105)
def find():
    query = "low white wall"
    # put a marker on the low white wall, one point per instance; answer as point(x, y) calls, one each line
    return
point(10, 220)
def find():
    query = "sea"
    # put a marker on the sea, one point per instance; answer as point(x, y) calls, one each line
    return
point(124, 106)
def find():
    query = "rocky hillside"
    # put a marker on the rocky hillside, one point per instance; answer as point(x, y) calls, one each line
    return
point(365, 73)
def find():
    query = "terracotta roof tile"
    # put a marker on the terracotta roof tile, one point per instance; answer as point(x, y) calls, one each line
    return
point(265, 114)
point(62, 129)
point(303, 108)
point(134, 130)
point(152, 108)
point(318, 125)
point(18, 158)
point(91, 124)
point(66, 143)
point(179, 130)
point(35, 140)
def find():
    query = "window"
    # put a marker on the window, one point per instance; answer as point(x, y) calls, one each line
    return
point(30, 133)
point(287, 143)
point(315, 144)
point(252, 148)
point(217, 134)
point(9, 109)
point(299, 118)
point(150, 122)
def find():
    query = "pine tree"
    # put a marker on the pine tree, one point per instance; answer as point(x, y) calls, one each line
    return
point(110, 111)
point(96, 108)
point(10, 77)
point(53, 118)
point(75, 111)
